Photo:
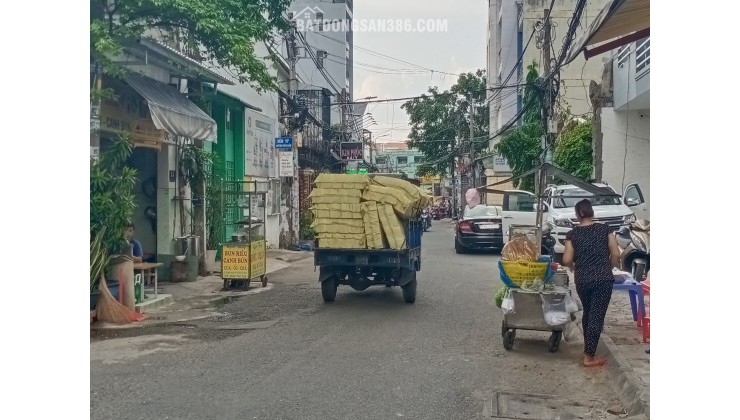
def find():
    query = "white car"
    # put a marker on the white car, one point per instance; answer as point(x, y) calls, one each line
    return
point(520, 208)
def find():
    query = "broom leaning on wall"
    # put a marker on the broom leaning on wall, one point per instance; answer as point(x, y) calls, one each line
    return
point(107, 308)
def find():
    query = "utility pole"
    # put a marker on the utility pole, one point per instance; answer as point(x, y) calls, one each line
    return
point(452, 178)
point(461, 193)
point(547, 111)
point(293, 215)
point(472, 142)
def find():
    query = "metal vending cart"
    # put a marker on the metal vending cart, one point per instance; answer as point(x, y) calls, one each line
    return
point(244, 255)
point(529, 315)
point(529, 311)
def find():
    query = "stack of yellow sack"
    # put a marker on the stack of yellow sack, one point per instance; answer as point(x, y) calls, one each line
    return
point(355, 211)
point(338, 220)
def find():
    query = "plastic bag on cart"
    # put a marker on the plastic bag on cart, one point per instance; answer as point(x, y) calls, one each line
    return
point(570, 303)
point(507, 305)
point(554, 311)
point(570, 333)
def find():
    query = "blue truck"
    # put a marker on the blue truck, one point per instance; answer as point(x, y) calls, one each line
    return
point(362, 268)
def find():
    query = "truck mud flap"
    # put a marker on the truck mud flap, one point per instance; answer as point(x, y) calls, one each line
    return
point(406, 276)
point(325, 273)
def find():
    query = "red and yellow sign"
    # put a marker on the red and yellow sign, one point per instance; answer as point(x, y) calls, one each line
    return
point(235, 261)
point(258, 259)
point(240, 261)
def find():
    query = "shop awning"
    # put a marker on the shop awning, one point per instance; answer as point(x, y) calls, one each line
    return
point(556, 172)
point(619, 23)
point(172, 111)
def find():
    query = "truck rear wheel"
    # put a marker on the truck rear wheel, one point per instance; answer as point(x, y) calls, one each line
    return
point(409, 291)
point(329, 289)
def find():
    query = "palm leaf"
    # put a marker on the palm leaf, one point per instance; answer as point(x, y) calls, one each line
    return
point(98, 258)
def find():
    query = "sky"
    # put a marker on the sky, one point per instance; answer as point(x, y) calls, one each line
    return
point(461, 48)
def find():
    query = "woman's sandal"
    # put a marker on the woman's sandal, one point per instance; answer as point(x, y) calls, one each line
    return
point(596, 362)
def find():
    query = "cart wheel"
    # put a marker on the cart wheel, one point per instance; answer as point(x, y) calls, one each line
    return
point(264, 280)
point(226, 285)
point(503, 328)
point(554, 342)
point(246, 284)
point(509, 337)
point(329, 289)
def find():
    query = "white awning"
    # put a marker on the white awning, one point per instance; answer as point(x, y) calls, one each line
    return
point(172, 111)
point(616, 25)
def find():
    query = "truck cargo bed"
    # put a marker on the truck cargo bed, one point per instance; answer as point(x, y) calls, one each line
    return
point(400, 258)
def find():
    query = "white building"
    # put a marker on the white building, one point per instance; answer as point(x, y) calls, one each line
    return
point(326, 28)
point(622, 150)
point(625, 126)
point(262, 126)
point(515, 30)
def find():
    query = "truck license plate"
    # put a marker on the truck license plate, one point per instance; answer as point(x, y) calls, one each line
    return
point(489, 226)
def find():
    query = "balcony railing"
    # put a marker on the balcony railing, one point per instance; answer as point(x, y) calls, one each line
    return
point(642, 58)
point(623, 54)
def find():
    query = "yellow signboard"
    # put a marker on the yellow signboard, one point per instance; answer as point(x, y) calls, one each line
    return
point(258, 259)
point(430, 180)
point(128, 114)
point(235, 261)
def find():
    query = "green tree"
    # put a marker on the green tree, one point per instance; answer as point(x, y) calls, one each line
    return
point(438, 117)
point(522, 147)
point(224, 30)
point(573, 150)
point(112, 205)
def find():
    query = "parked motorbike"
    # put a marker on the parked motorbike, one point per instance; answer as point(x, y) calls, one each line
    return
point(548, 243)
point(426, 220)
point(634, 248)
point(436, 213)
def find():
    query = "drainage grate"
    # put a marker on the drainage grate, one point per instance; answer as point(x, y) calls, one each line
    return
point(507, 405)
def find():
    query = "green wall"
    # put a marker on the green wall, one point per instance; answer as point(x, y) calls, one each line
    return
point(230, 147)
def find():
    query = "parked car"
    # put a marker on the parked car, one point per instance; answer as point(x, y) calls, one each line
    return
point(479, 228)
point(520, 208)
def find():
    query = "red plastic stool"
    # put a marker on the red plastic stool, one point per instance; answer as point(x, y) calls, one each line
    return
point(646, 329)
point(646, 316)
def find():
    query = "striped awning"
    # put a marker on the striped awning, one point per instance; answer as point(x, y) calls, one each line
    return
point(172, 111)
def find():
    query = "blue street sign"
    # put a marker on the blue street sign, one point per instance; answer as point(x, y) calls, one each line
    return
point(284, 143)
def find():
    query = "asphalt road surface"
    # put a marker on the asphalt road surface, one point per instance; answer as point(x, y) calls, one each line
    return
point(285, 354)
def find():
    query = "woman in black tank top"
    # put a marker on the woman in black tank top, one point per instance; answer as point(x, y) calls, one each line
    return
point(591, 251)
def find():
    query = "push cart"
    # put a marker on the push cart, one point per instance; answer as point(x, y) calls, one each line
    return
point(244, 256)
point(529, 314)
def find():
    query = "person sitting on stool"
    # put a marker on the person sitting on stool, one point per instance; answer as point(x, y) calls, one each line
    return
point(136, 251)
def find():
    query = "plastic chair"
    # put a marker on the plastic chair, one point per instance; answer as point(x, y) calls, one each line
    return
point(637, 300)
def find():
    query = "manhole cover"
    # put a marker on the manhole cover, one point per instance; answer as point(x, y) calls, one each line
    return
point(543, 407)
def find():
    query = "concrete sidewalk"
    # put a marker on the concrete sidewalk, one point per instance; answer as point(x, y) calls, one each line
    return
point(628, 366)
point(186, 301)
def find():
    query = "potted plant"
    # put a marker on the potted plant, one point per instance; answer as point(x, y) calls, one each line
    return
point(194, 169)
point(112, 204)
point(307, 232)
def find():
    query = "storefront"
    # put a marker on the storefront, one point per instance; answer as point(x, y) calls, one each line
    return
point(229, 114)
point(157, 117)
point(261, 165)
